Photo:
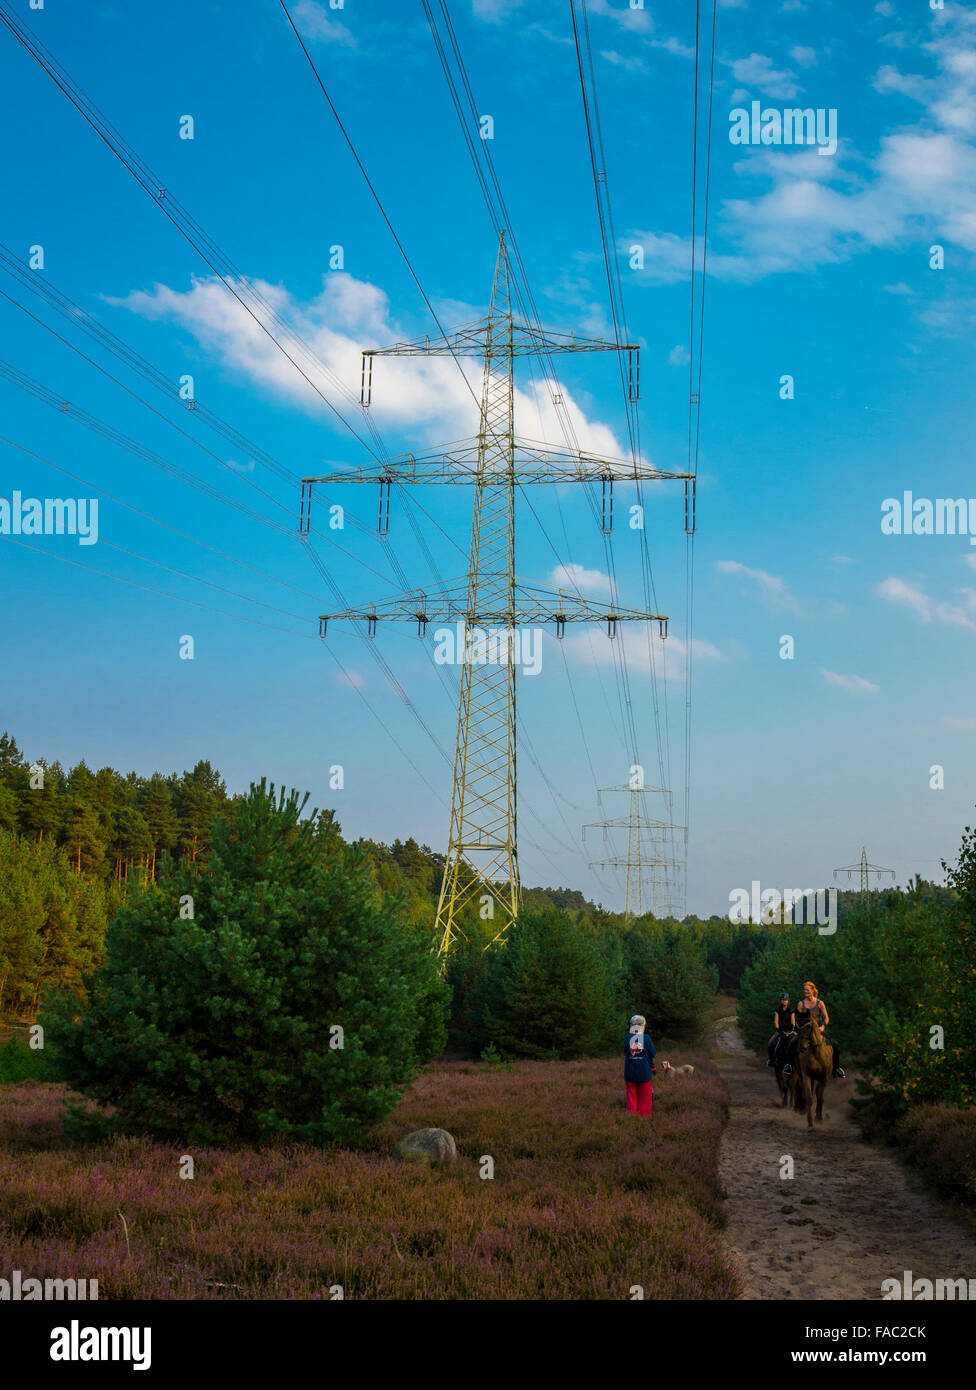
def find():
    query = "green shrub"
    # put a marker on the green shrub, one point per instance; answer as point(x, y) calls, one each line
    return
point(546, 993)
point(666, 979)
point(217, 1026)
point(21, 1062)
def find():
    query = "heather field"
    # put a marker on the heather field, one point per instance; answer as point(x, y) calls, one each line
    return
point(586, 1200)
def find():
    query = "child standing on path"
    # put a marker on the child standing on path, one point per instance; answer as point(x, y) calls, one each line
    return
point(639, 1068)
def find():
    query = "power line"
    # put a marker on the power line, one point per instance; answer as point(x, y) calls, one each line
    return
point(250, 299)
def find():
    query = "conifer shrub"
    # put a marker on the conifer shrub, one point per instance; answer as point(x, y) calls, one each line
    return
point(216, 1016)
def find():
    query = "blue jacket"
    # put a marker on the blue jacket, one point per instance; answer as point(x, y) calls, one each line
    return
point(639, 1053)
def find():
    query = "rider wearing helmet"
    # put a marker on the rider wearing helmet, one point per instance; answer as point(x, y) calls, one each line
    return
point(812, 1007)
point(784, 1025)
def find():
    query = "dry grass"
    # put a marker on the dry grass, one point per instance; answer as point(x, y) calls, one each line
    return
point(586, 1200)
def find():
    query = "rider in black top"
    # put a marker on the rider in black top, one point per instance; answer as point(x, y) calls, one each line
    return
point(783, 1023)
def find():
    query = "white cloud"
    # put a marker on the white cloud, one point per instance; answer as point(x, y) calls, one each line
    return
point(857, 685)
point(354, 680)
point(970, 561)
point(575, 577)
point(757, 72)
point(772, 589)
point(638, 21)
point(494, 11)
point(631, 63)
point(643, 648)
point(426, 396)
point(679, 356)
point(804, 56)
point(920, 182)
point(884, 7)
point(314, 21)
point(930, 610)
point(673, 46)
point(966, 724)
point(900, 288)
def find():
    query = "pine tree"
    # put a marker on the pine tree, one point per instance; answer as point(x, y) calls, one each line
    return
point(42, 809)
point(157, 809)
point(83, 837)
point(221, 1026)
point(52, 925)
point(10, 754)
point(550, 996)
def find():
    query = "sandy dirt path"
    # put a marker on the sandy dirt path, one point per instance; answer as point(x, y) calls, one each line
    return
point(849, 1205)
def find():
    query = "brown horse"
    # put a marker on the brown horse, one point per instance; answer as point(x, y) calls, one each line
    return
point(814, 1067)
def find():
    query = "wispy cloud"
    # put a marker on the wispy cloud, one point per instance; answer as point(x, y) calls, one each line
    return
point(927, 609)
point(319, 25)
point(772, 589)
point(643, 648)
point(919, 183)
point(354, 680)
point(757, 73)
point(856, 685)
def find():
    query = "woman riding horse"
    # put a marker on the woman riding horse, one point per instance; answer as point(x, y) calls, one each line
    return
point(784, 1025)
point(811, 1007)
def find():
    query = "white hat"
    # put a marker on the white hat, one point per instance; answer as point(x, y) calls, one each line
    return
point(638, 1021)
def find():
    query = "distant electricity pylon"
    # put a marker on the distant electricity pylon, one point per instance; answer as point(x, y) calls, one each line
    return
point(647, 887)
point(864, 869)
point(482, 856)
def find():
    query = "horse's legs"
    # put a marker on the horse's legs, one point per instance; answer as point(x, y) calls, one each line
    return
point(808, 1098)
point(820, 1095)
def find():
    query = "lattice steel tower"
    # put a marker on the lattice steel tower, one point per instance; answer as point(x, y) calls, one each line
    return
point(864, 869)
point(482, 856)
point(650, 881)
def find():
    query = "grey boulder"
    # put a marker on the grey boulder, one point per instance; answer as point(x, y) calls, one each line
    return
point(427, 1146)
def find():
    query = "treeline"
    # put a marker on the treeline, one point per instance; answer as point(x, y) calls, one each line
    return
point(111, 826)
point(76, 845)
point(566, 982)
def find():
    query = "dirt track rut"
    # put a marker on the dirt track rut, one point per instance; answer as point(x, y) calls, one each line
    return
point(849, 1205)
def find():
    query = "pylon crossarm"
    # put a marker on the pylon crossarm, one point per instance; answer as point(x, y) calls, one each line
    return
point(524, 615)
point(534, 462)
point(466, 341)
point(626, 823)
point(469, 341)
point(527, 340)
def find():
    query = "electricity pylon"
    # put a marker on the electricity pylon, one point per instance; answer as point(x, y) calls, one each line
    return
point(642, 867)
point(864, 869)
point(482, 857)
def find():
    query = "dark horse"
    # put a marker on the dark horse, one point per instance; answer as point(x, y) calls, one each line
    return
point(782, 1082)
point(813, 1068)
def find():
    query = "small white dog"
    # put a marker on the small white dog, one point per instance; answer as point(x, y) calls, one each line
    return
point(686, 1070)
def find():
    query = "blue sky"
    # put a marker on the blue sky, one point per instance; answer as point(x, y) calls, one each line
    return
point(819, 268)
